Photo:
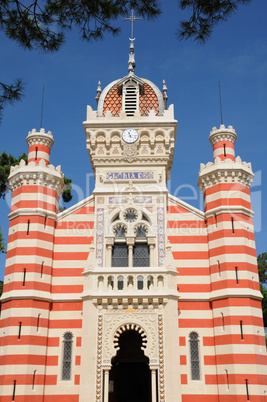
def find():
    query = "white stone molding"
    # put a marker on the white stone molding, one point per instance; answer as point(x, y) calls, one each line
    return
point(32, 211)
point(231, 209)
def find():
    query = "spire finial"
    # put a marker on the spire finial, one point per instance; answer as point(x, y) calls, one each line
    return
point(131, 62)
point(98, 91)
point(165, 96)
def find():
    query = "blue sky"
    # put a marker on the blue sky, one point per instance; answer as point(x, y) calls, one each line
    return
point(236, 55)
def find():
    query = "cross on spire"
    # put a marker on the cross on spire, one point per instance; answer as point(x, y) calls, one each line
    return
point(132, 18)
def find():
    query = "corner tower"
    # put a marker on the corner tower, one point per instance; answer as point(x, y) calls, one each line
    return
point(235, 294)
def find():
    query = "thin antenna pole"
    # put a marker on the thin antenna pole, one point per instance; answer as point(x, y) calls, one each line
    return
point(42, 108)
point(220, 96)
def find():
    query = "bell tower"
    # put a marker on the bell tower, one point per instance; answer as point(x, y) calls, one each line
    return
point(132, 283)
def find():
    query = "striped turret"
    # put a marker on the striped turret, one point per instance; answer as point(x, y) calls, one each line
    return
point(40, 144)
point(223, 142)
point(27, 286)
point(240, 352)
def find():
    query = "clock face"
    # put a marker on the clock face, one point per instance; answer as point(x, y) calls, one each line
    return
point(130, 135)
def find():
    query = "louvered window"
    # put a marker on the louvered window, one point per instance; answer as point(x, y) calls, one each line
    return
point(67, 356)
point(120, 255)
point(194, 356)
point(130, 100)
point(141, 255)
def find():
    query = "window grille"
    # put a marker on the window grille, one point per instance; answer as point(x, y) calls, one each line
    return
point(130, 100)
point(67, 352)
point(120, 255)
point(194, 356)
point(141, 255)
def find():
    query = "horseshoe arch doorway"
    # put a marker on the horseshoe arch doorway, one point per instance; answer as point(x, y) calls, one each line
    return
point(130, 377)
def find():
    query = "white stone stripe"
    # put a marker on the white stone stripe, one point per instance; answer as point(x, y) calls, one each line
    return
point(220, 151)
point(40, 155)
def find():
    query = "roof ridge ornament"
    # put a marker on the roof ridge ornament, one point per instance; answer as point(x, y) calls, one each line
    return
point(131, 62)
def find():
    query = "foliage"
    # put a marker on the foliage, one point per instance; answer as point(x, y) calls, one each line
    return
point(9, 94)
point(66, 195)
point(264, 304)
point(42, 25)
point(1, 291)
point(6, 161)
point(204, 16)
point(2, 242)
point(262, 267)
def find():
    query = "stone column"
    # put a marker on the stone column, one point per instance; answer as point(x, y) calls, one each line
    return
point(153, 384)
point(151, 242)
point(130, 255)
point(130, 244)
point(106, 384)
point(109, 243)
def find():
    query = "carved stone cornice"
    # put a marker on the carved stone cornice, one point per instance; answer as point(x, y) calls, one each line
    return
point(222, 134)
point(225, 171)
point(40, 137)
point(36, 174)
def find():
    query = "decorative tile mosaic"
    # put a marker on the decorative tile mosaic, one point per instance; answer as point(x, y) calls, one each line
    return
point(159, 149)
point(118, 200)
point(99, 359)
point(161, 236)
point(100, 200)
point(115, 150)
point(100, 150)
point(141, 200)
point(130, 176)
point(99, 236)
point(144, 149)
point(161, 359)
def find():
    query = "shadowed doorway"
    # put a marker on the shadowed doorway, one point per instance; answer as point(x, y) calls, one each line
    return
point(130, 373)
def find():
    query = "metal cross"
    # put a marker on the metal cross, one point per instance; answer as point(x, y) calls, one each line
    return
point(132, 18)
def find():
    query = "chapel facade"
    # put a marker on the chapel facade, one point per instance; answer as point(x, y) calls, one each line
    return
point(132, 295)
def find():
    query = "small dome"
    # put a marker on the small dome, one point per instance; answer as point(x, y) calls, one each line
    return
point(131, 94)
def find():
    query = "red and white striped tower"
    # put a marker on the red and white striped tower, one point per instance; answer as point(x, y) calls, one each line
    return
point(27, 286)
point(240, 352)
point(223, 142)
point(40, 144)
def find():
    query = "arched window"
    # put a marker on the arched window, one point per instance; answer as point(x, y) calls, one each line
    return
point(67, 354)
point(120, 283)
point(140, 282)
point(194, 356)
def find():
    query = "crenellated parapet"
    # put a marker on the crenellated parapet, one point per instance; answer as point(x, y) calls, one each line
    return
point(222, 134)
point(226, 171)
point(40, 137)
point(36, 174)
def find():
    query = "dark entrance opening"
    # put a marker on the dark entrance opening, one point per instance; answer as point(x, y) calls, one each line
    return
point(130, 379)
